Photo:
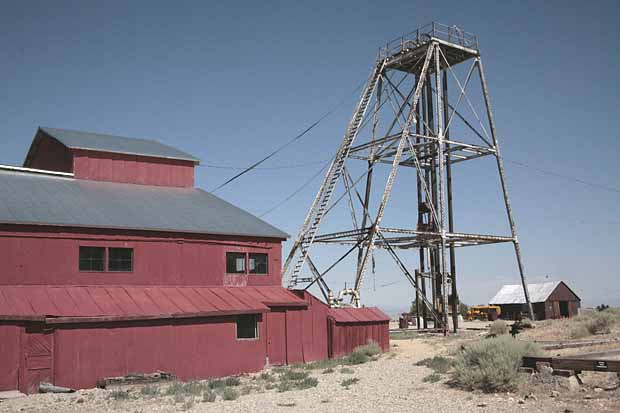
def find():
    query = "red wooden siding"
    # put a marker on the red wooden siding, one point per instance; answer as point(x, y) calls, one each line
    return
point(353, 327)
point(143, 170)
point(40, 255)
point(276, 337)
point(37, 360)
point(190, 349)
point(10, 351)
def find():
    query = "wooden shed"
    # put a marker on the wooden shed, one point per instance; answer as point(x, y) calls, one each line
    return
point(550, 300)
point(112, 262)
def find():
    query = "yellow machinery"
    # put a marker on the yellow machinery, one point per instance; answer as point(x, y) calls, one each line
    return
point(484, 312)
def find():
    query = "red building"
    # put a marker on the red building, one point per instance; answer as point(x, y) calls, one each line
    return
point(112, 262)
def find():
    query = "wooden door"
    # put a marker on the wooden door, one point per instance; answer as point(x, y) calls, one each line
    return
point(276, 337)
point(37, 361)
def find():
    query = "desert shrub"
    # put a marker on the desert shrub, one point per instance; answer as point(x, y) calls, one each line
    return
point(216, 384)
point(357, 358)
point(346, 370)
point(432, 378)
point(329, 370)
point(602, 307)
point(321, 364)
point(348, 382)
point(293, 375)
point(230, 393)
point(192, 388)
point(594, 323)
point(438, 364)
point(149, 390)
point(268, 377)
point(118, 395)
point(578, 330)
point(498, 328)
point(491, 365)
point(208, 396)
point(174, 388)
point(369, 349)
point(600, 323)
point(285, 386)
point(307, 383)
point(232, 381)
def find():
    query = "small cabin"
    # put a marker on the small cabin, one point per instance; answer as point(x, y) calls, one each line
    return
point(549, 300)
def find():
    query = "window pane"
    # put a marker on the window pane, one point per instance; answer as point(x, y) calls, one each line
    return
point(235, 262)
point(247, 326)
point(120, 259)
point(258, 264)
point(92, 259)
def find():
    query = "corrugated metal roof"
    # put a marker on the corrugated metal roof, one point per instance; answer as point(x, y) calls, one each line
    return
point(50, 200)
point(357, 315)
point(118, 144)
point(513, 294)
point(138, 302)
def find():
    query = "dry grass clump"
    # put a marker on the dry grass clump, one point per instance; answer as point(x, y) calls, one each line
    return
point(498, 328)
point(230, 393)
point(149, 390)
point(439, 364)
point(209, 396)
point(432, 378)
point(592, 323)
point(491, 365)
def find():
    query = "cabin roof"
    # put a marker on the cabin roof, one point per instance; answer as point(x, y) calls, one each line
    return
point(40, 199)
point(116, 144)
point(513, 294)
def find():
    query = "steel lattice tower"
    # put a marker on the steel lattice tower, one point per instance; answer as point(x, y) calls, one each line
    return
point(403, 120)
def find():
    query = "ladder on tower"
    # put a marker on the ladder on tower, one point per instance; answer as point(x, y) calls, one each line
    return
point(319, 207)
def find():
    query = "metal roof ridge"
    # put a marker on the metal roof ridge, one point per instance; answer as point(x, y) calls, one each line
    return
point(35, 171)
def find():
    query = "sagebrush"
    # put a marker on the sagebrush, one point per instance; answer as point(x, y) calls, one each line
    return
point(439, 364)
point(498, 328)
point(492, 365)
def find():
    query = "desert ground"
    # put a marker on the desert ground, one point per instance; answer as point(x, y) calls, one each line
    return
point(392, 381)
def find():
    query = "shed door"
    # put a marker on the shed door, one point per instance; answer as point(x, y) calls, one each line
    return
point(37, 360)
point(276, 337)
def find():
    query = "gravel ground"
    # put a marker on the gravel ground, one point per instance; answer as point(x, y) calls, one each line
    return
point(392, 383)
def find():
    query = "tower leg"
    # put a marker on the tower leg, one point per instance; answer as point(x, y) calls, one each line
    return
point(442, 194)
point(454, 293)
point(502, 177)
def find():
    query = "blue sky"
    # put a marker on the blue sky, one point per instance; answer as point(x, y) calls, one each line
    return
point(230, 81)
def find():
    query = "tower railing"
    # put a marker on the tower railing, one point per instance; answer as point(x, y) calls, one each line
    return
point(423, 35)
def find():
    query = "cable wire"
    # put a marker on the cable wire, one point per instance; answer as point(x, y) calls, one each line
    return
point(264, 168)
point(291, 141)
point(298, 190)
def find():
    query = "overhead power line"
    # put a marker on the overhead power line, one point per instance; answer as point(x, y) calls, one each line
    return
point(567, 177)
point(291, 141)
point(295, 192)
point(263, 168)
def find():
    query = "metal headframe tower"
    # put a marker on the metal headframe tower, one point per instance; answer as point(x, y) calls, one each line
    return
point(406, 118)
